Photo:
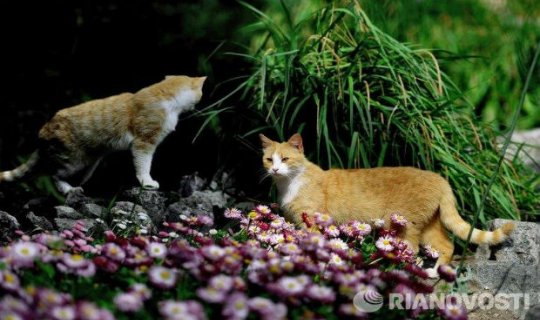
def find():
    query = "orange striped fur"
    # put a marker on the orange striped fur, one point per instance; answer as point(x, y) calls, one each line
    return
point(78, 137)
point(423, 197)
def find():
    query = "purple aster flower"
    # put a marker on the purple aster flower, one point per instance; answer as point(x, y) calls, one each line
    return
point(24, 253)
point(331, 231)
point(11, 303)
point(337, 245)
point(398, 220)
point(205, 220)
point(10, 315)
point(321, 293)
point(89, 270)
point(211, 295)
point(289, 286)
point(277, 223)
point(162, 277)
point(113, 252)
point(74, 261)
point(185, 310)
point(263, 209)
point(47, 298)
point(88, 311)
point(212, 252)
point(63, 313)
point(322, 220)
point(261, 305)
point(454, 311)
point(447, 273)
point(9, 280)
point(156, 250)
point(312, 242)
point(362, 229)
point(236, 307)
point(378, 223)
point(142, 290)
point(430, 252)
point(289, 249)
point(267, 309)
point(385, 243)
point(347, 230)
point(128, 302)
point(221, 282)
point(233, 213)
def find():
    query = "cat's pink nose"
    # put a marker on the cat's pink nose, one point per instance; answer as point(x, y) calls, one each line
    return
point(275, 170)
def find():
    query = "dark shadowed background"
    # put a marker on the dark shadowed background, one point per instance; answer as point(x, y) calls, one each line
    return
point(60, 53)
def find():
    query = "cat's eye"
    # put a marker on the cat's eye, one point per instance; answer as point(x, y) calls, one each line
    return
point(284, 159)
point(269, 159)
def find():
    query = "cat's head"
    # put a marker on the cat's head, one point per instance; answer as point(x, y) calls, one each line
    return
point(188, 90)
point(283, 159)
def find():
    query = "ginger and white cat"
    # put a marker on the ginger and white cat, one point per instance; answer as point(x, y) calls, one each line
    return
point(78, 137)
point(424, 198)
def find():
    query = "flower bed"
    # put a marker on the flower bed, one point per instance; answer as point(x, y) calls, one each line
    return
point(260, 267)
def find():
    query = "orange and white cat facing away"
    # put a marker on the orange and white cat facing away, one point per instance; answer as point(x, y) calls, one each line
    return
point(424, 198)
point(78, 137)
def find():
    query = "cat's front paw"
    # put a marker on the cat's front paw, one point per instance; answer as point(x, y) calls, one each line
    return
point(149, 184)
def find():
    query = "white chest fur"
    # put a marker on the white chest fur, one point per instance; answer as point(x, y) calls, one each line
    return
point(289, 189)
point(184, 100)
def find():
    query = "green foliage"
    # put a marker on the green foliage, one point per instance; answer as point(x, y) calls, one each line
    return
point(497, 39)
point(363, 99)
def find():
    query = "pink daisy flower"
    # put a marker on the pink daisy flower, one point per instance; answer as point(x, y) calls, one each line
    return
point(162, 277)
point(385, 243)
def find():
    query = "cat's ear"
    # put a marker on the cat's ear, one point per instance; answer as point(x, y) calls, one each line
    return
point(266, 142)
point(296, 141)
point(200, 81)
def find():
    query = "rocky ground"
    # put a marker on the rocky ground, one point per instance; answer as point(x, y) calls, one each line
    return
point(134, 208)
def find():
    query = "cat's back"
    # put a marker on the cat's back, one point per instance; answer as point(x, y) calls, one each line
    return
point(90, 120)
point(385, 179)
point(108, 104)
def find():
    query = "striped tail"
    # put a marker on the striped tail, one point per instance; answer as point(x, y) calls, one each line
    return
point(21, 170)
point(453, 221)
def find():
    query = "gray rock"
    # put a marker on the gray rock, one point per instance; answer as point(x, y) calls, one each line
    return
point(151, 200)
point(92, 210)
point(39, 222)
point(126, 208)
point(128, 213)
point(66, 223)
point(178, 208)
point(191, 183)
point(527, 145)
point(67, 212)
point(512, 267)
point(76, 199)
point(200, 202)
point(8, 225)
point(534, 313)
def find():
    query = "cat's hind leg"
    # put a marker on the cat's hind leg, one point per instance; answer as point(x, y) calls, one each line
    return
point(66, 171)
point(435, 234)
